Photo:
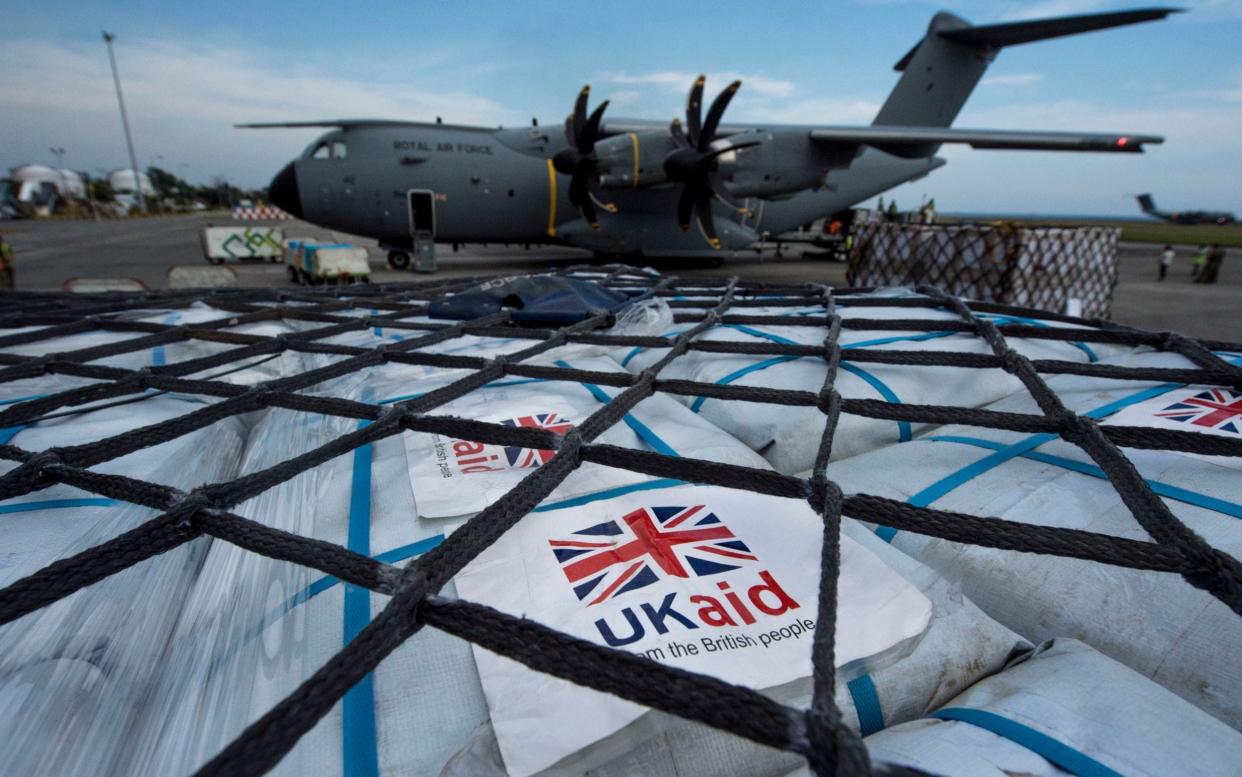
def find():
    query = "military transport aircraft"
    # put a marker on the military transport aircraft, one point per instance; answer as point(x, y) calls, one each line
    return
point(629, 187)
point(1184, 216)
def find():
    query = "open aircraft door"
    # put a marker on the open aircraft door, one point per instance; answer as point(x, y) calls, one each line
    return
point(422, 206)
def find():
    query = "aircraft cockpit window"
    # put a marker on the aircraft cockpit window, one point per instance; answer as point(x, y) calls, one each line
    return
point(338, 149)
point(321, 152)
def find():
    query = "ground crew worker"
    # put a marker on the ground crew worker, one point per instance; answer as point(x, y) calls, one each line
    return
point(1200, 259)
point(6, 265)
point(1214, 259)
point(1166, 261)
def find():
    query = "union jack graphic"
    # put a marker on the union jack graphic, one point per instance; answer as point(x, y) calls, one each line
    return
point(521, 458)
point(1215, 408)
point(614, 557)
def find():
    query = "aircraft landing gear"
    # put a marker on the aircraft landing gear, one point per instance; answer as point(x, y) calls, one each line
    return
point(398, 260)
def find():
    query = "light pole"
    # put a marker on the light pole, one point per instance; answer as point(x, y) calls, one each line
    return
point(129, 141)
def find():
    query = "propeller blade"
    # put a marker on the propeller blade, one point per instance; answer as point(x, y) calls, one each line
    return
point(580, 115)
point(714, 113)
point(685, 205)
point(596, 193)
point(588, 211)
point(576, 191)
point(591, 132)
point(718, 190)
point(679, 135)
point(694, 110)
point(707, 222)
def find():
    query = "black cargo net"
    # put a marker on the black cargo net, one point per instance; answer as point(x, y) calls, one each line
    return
point(1044, 267)
point(818, 733)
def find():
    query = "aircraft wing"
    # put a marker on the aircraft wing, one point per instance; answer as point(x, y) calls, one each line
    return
point(913, 141)
point(350, 124)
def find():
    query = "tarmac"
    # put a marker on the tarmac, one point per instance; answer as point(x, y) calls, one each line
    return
point(50, 252)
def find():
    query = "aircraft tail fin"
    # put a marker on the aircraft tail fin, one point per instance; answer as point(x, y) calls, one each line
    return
point(1146, 203)
point(942, 69)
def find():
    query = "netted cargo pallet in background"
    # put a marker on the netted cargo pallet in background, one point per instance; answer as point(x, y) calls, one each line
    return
point(1059, 269)
point(414, 589)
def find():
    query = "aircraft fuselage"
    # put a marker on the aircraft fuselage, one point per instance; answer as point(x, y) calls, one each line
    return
point(498, 186)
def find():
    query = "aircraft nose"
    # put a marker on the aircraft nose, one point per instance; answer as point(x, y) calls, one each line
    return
point(284, 191)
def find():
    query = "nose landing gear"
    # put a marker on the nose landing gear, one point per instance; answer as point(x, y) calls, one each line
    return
point(398, 260)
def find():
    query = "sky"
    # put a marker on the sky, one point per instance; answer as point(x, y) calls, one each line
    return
point(192, 70)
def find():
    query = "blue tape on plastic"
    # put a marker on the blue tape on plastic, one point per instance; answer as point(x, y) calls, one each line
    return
point(903, 427)
point(965, 474)
point(360, 751)
point(866, 704)
point(643, 431)
point(1054, 751)
point(56, 504)
point(1163, 489)
point(158, 355)
point(1091, 355)
point(576, 501)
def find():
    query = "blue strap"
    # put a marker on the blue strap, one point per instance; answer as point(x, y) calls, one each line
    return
point(21, 399)
point(866, 704)
point(1163, 489)
point(643, 431)
point(697, 404)
point(903, 427)
point(313, 590)
point(965, 474)
point(379, 330)
point(1055, 752)
point(360, 752)
point(577, 501)
point(54, 504)
point(640, 349)
point(1035, 322)
point(157, 353)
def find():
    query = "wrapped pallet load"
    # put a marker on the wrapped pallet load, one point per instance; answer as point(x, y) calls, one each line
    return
point(1062, 709)
point(75, 676)
point(439, 703)
point(788, 436)
point(1155, 622)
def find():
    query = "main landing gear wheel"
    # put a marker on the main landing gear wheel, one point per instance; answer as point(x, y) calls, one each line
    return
point(398, 260)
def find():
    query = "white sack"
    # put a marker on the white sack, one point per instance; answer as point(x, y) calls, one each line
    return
point(739, 606)
point(1081, 699)
point(961, 645)
point(788, 437)
point(74, 675)
point(1156, 623)
point(459, 477)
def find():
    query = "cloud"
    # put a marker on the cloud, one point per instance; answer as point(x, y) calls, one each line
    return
point(681, 81)
point(1012, 79)
point(183, 99)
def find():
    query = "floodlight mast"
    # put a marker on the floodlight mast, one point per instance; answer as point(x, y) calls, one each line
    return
point(129, 141)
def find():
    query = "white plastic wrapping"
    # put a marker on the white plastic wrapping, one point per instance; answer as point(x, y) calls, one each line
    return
point(75, 675)
point(1084, 701)
point(788, 437)
point(461, 477)
point(710, 580)
point(1156, 623)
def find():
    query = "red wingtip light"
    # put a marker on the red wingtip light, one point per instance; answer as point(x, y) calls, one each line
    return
point(1122, 141)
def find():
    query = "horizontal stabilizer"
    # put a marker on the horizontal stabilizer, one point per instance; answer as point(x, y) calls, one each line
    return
point(914, 141)
point(1013, 33)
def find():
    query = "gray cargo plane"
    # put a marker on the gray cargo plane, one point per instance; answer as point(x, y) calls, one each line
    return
point(626, 187)
point(1148, 206)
